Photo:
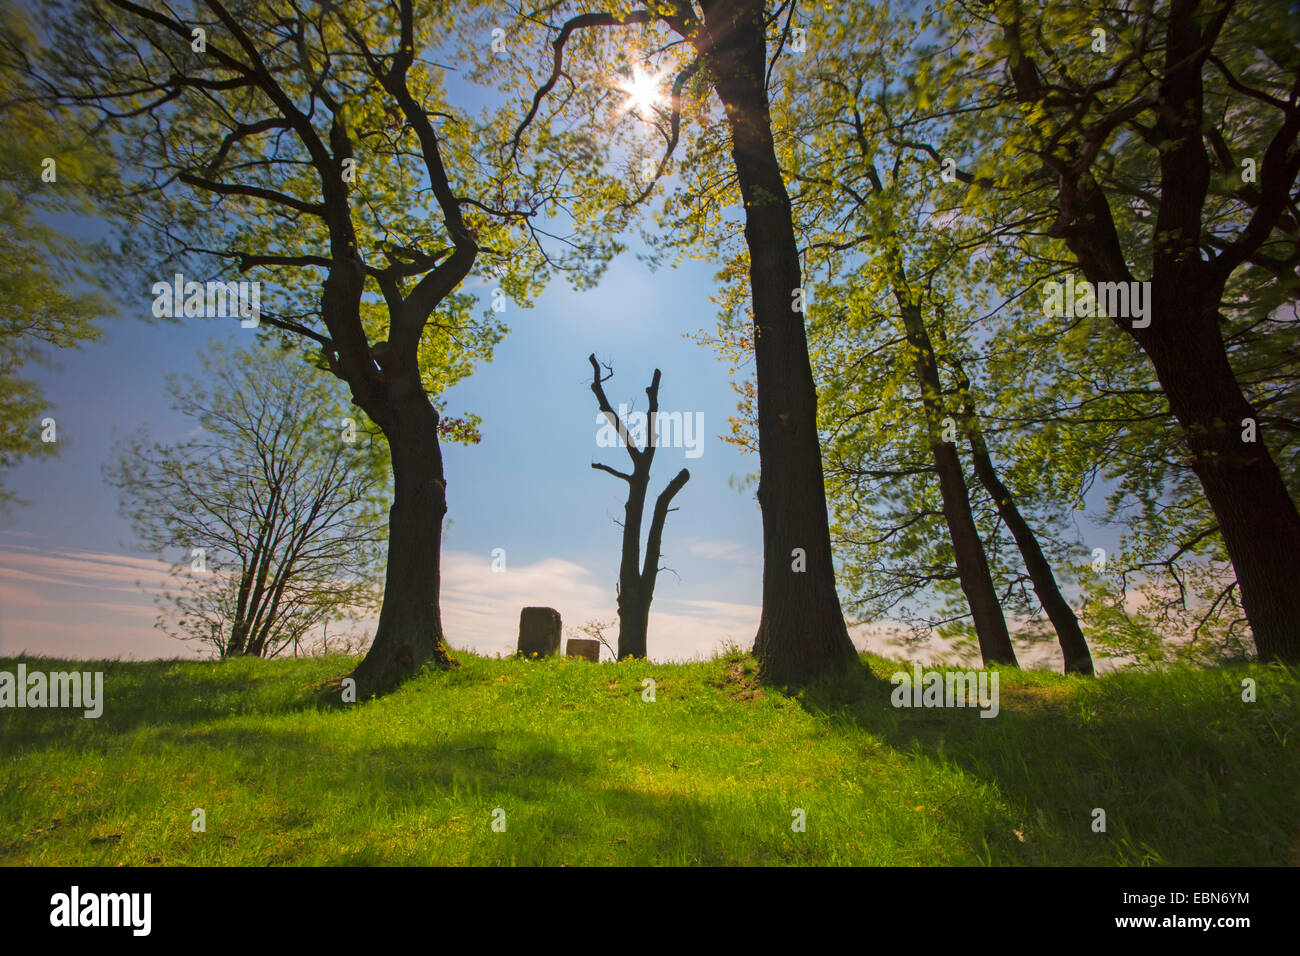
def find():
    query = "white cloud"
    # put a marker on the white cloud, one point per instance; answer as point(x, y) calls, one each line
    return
point(70, 604)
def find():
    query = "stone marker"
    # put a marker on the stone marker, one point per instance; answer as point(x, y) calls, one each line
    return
point(585, 648)
point(539, 631)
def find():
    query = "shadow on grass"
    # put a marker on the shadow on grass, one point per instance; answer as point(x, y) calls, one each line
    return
point(553, 800)
point(1186, 772)
point(158, 693)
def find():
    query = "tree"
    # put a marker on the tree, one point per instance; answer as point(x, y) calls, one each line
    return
point(1184, 137)
point(636, 582)
point(47, 299)
point(1074, 646)
point(1014, 189)
point(864, 204)
point(276, 504)
point(877, 225)
point(316, 149)
point(801, 632)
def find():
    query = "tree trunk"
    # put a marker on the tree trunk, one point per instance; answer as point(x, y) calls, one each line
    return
point(1074, 647)
point(968, 548)
point(644, 589)
point(1257, 517)
point(636, 584)
point(253, 577)
point(633, 621)
point(633, 601)
point(801, 633)
point(239, 627)
point(410, 623)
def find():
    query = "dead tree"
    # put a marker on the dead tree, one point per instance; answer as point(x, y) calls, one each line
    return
point(636, 581)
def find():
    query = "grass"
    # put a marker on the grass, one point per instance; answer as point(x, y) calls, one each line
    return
point(589, 773)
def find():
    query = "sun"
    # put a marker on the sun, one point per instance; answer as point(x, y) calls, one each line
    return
point(642, 89)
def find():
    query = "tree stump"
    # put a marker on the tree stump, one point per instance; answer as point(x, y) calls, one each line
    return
point(585, 648)
point(539, 631)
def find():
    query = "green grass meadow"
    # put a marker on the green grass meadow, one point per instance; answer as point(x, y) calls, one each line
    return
point(587, 772)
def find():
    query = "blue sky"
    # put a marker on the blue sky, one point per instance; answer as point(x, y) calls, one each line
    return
point(73, 582)
point(527, 488)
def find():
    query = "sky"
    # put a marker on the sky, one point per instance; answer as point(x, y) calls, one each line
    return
point(74, 583)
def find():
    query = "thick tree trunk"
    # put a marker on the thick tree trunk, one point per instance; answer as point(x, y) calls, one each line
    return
point(410, 633)
point(968, 548)
point(1257, 517)
point(801, 632)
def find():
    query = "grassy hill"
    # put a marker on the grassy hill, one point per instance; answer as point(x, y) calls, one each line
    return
point(587, 772)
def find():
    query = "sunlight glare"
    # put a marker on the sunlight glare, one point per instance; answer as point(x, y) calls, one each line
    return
point(642, 90)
